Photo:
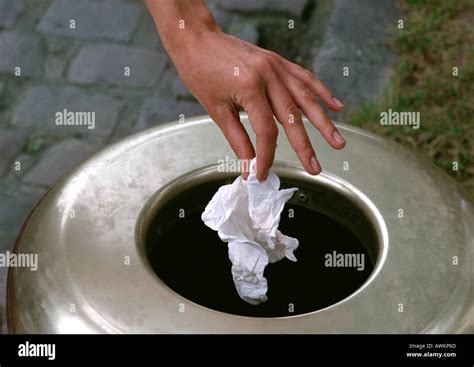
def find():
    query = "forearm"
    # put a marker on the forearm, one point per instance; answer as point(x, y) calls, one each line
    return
point(180, 22)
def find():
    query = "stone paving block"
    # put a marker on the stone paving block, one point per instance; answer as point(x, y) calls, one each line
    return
point(106, 63)
point(37, 108)
point(16, 205)
point(58, 45)
point(60, 51)
point(156, 110)
point(26, 160)
point(9, 12)
point(59, 159)
point(22, 50)
point(146, 34)
point(293, 7)
point(355, 41)
point(11, 143)
point(180, 89)
point(93, 19)
point(14, 210)
point(54, 67)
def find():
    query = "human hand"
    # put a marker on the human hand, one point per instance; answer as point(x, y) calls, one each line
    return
point(226, 74)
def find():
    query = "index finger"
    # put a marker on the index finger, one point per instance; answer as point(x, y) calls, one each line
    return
point(263, 124)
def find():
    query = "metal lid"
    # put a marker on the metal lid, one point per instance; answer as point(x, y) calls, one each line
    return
point(84, 232)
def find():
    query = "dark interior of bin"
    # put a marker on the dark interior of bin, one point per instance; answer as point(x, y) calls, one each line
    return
point(191, 259)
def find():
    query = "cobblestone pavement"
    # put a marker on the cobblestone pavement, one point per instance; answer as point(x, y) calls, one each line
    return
point(104, 56)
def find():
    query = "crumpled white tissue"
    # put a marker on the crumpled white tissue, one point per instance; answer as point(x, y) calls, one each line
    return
point(246, 214)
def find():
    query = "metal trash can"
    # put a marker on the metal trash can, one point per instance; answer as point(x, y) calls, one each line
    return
point(106, 265)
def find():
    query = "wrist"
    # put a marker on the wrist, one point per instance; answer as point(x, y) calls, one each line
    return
point(181, 23)
point(188, 38)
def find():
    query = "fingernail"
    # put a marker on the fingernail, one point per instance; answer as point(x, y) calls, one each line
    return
point(315, 164)
point(338, 102)
point(337, 137)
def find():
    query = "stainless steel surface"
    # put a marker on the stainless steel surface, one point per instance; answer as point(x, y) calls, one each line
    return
point(83, 257)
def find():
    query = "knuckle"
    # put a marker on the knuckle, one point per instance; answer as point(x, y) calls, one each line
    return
point(236, 144)
point(293, 114)
point(263, 63)
point(307, 95)
point(327, 125)
point(273, 56)
point(252, 81)
point(219, 113)
point(231, 139)
point(304, 146)
point(270, 132)
point(310, 76)
point(214, 113)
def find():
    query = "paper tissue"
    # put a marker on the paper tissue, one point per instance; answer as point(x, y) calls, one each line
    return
point(246, 214)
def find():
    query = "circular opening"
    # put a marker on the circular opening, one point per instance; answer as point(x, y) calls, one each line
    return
point(341, 236)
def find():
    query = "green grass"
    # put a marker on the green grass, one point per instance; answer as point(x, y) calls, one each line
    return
point(437, 36)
